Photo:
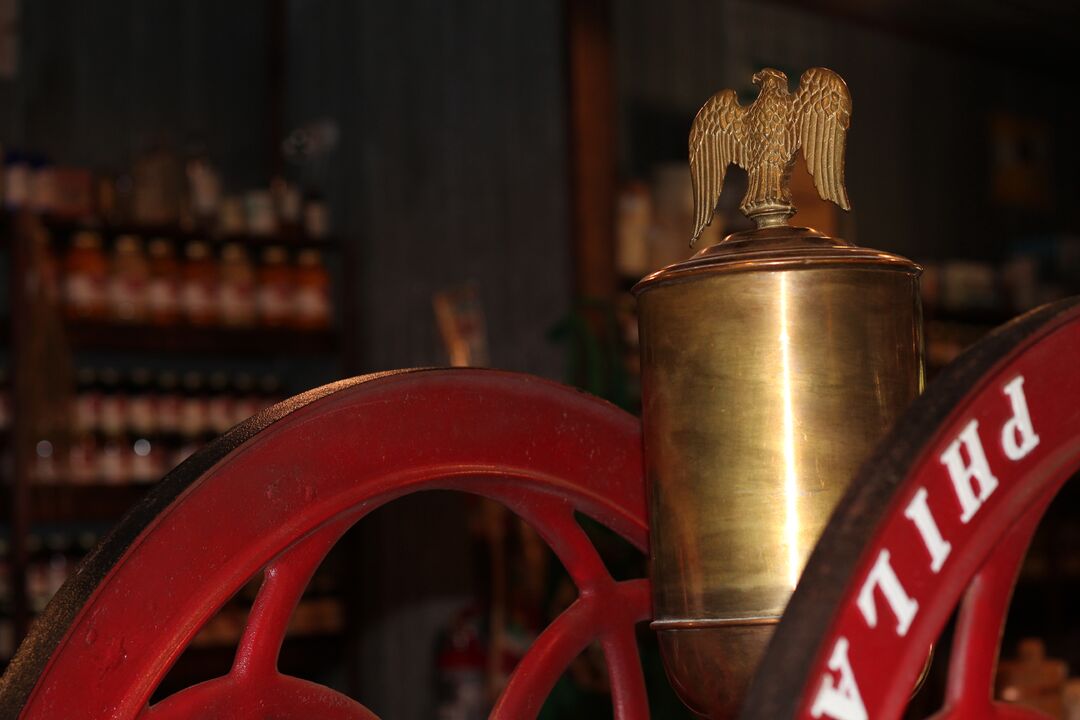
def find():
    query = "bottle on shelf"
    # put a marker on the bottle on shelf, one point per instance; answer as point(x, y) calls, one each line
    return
point(147, 454)
point(277, 283)
point(85, 428)
point(316, 218)
point(193, 417)
point(43, 197)
point(45, 471)
point(231, 219)
point(128, 281)
point(163, 289)
point(157, 185)
point(86, 276)
point(168, 402)
point(114, 467)
point(203, 189)
point(237, 296)
point(259, 212)
point(57, 562)
point(311, 301)
point(219, 409)
point(199, 292)
point(209, 434)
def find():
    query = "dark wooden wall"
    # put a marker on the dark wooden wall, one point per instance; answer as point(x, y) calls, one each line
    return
point(452, 166)
point(97, 82)
point(451, 169)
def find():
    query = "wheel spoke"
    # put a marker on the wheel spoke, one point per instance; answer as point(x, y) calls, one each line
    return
point(974, 656)
point(562, 532)
point(607, 615)
point(551, 653)
point(621, 652)
point(285, 580)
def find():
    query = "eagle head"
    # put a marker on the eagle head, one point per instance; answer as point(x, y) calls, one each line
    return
point(770, 78)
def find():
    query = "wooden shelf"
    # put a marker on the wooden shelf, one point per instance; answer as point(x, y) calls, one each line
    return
point(108, 337)
point(65, 227)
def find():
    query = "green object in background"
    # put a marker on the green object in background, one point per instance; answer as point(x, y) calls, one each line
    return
point(595, 352)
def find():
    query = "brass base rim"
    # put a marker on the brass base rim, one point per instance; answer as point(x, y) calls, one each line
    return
point(699, 623)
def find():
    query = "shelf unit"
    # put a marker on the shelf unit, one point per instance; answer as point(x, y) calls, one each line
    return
point(64, 506)
point(240, 341)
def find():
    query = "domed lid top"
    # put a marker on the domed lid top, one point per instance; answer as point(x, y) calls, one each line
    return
point(776, 248)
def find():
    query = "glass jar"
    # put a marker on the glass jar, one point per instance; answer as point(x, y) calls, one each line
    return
point(219, 407)
point(199, 292)
point(128, 281)
point(311, 300)
point(237, 293)
point(276, 285)
point(163, 288)
point(86, 274)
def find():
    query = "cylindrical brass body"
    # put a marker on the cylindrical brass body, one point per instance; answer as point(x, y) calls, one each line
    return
point(771, 365)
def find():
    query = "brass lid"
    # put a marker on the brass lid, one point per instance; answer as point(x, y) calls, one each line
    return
point(775, 248)
point(763, 139)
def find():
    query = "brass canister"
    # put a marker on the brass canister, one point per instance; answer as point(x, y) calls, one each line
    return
point(772, 363)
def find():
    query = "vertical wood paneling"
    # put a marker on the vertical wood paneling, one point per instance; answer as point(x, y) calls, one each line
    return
point(99, 81)
point(451, 169)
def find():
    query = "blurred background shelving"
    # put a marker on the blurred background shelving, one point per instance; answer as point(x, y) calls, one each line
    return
point(138, 331)
point(124, 364)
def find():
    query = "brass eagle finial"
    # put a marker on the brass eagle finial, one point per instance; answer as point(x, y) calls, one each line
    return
point(763, 139)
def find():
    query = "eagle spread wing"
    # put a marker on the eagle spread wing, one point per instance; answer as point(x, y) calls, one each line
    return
point(717, 139)
point(822, 114)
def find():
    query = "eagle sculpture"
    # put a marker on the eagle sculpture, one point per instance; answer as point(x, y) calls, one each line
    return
point(763, 139)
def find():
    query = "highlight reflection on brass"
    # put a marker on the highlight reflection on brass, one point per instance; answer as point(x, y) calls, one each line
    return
point(791, 473)
point(772, 363)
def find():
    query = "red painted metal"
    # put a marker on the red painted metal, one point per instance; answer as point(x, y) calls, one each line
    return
point(882, 657)
point(981, 622)
point(282, 498)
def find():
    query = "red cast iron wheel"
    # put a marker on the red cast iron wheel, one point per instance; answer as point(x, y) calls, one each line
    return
point(276, 493)
point(940, 517)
